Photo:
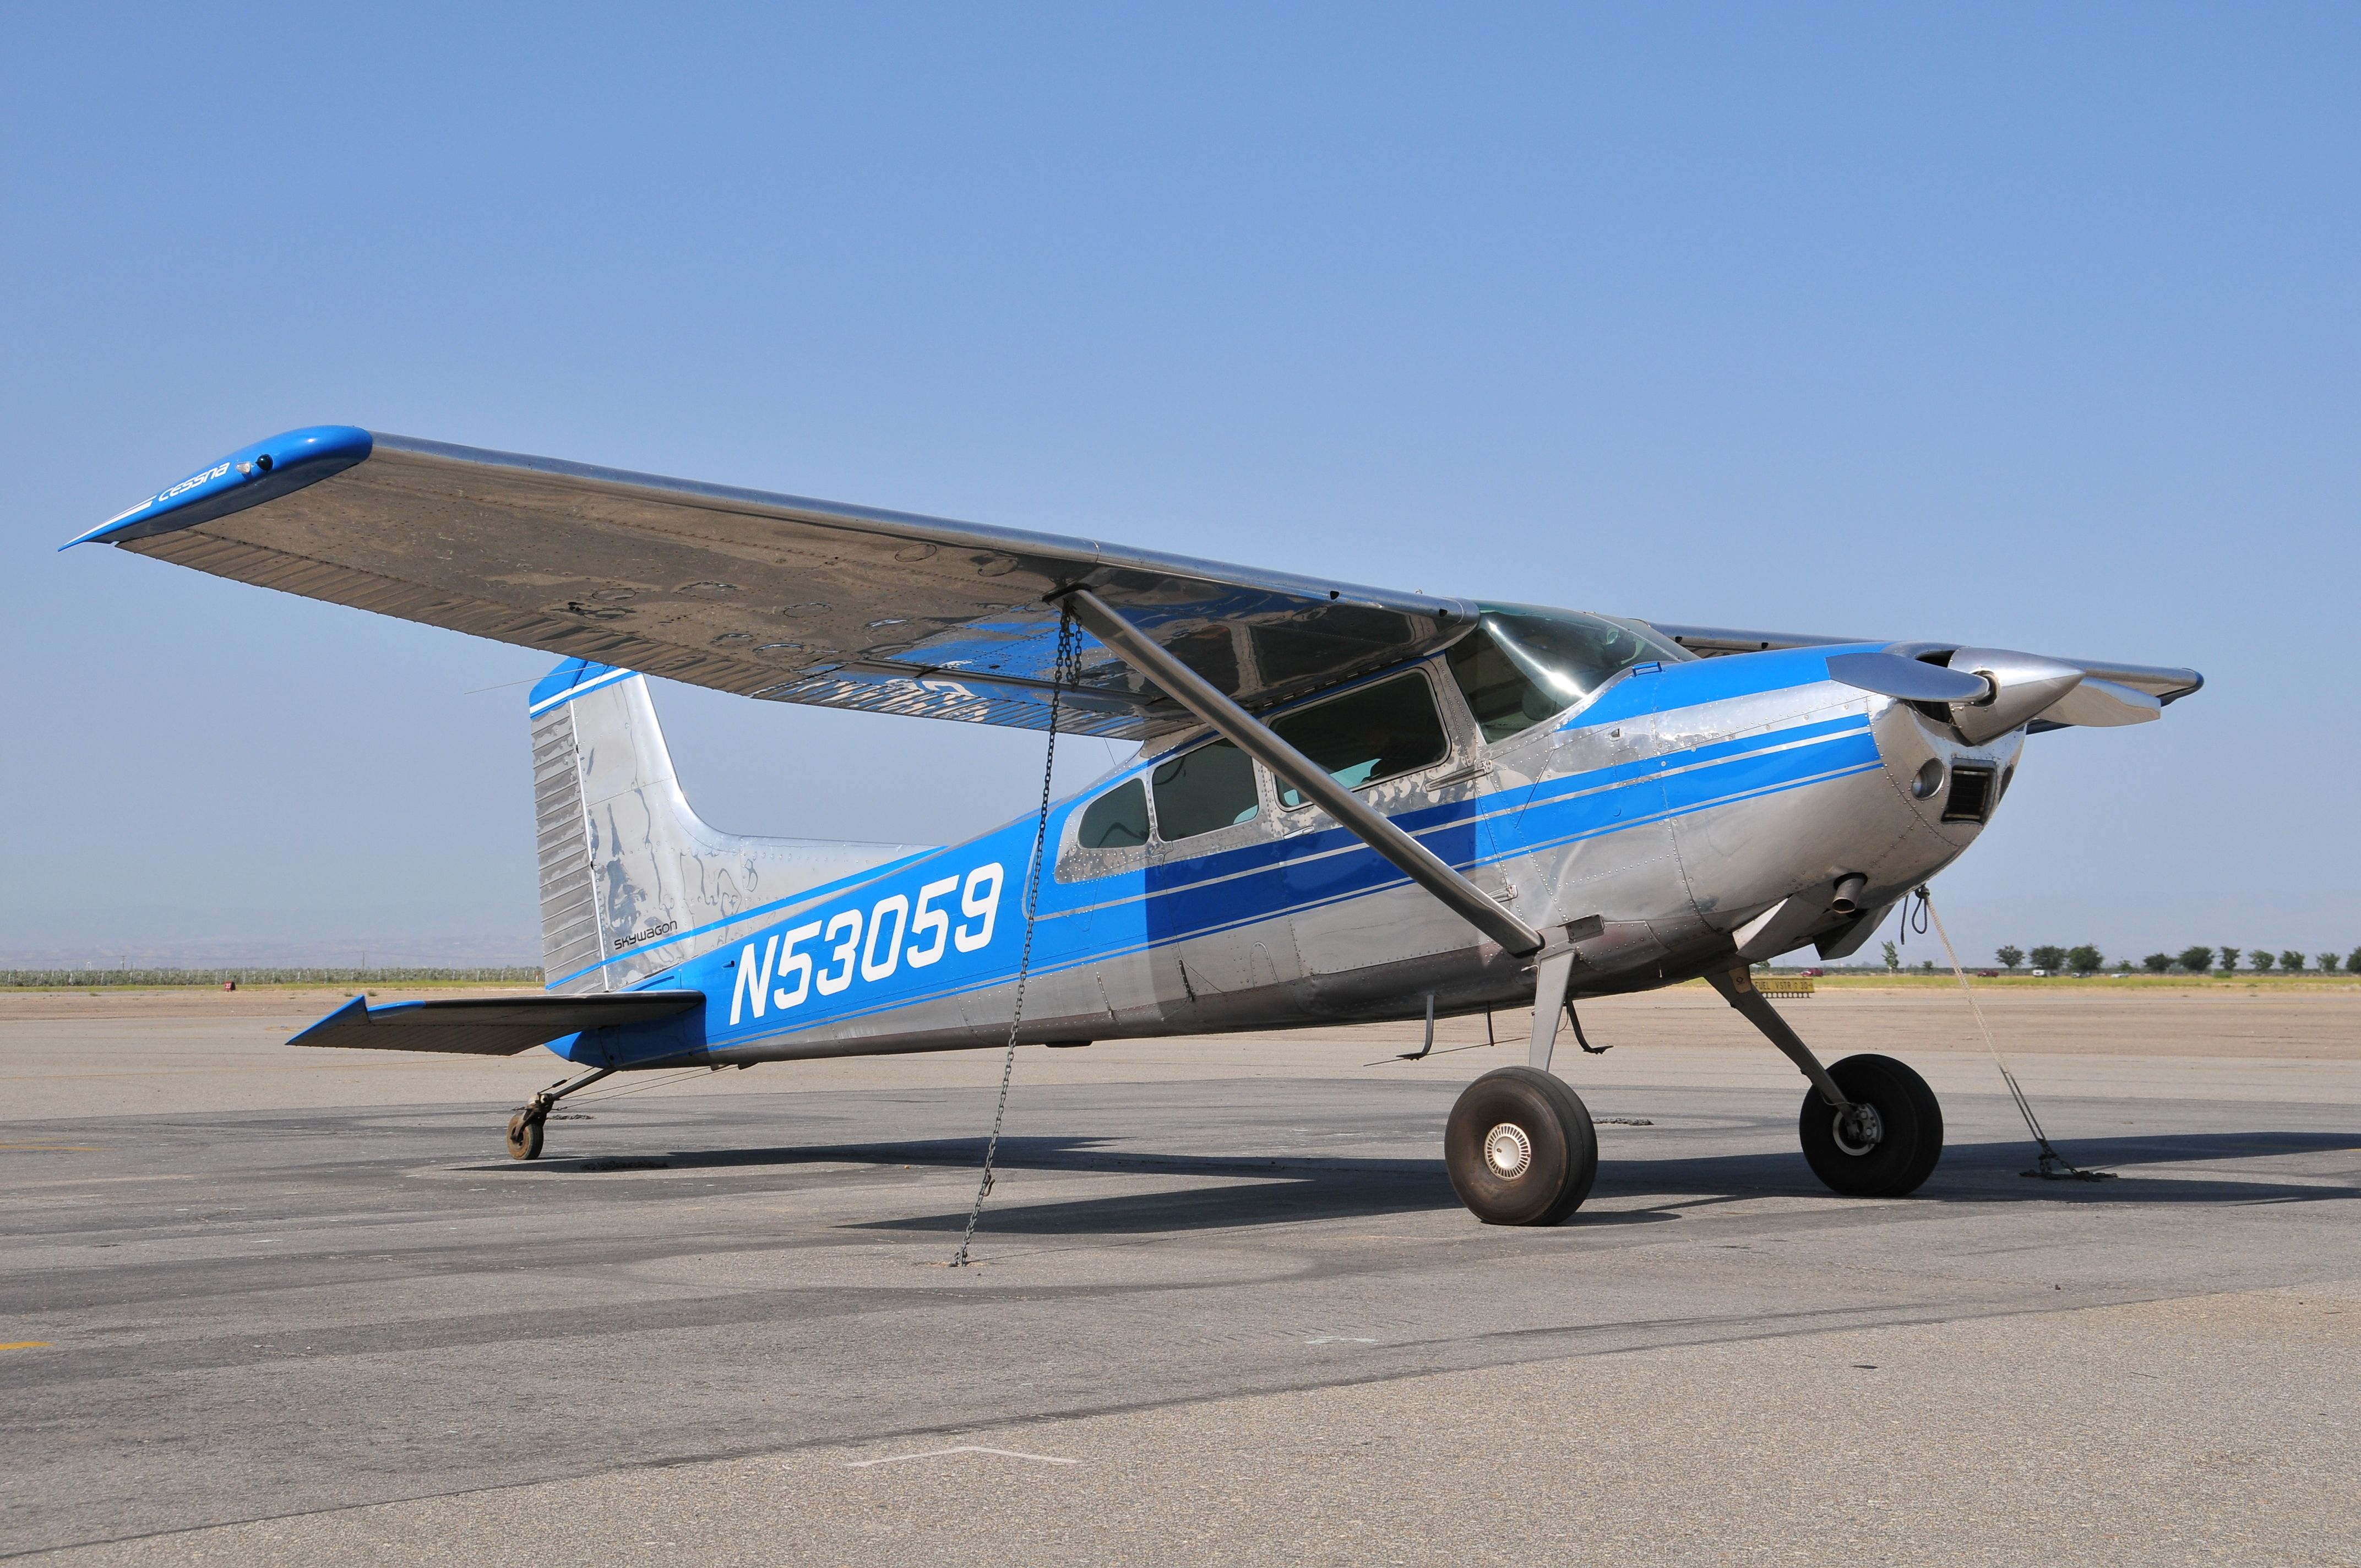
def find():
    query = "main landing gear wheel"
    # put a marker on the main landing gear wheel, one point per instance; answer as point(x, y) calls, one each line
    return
point(525, 1133)
point(1519, 1148)
point(1887, 1143)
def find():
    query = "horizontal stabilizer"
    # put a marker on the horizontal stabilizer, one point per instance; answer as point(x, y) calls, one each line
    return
point(488, 1026)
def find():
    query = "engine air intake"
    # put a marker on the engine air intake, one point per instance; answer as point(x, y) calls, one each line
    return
point(1970, 799)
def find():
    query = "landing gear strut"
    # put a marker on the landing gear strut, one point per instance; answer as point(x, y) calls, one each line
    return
point(1871, 1127)
point(524, 1127)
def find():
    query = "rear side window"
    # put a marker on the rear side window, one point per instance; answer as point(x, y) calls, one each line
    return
point(1213, 786)
point(1115, 820)
point(1377, 733)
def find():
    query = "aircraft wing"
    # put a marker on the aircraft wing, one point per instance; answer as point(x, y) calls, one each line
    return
point(774, 597)
point(2111, 692)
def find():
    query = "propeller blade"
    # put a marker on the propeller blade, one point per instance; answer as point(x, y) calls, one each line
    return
point(1911, 680)
point(2100, 704)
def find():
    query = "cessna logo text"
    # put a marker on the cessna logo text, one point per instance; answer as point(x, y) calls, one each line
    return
point(192, 481)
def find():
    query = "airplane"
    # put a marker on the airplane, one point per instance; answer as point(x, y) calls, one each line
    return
point(1349, 804)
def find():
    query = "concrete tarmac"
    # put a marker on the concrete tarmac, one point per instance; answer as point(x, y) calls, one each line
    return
point(1226, 1309)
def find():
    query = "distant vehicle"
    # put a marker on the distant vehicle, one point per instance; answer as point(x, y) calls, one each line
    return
point(1815, 973)
point(1352, 803)
point(2039, 973)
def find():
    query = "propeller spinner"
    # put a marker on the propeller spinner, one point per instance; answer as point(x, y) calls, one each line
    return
point(2023, 685)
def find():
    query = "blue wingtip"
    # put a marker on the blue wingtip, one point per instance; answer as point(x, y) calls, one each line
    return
point(246, 477)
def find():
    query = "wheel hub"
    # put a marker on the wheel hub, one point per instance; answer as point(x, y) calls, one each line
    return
point(1508, 1151)
point(1859, 1128)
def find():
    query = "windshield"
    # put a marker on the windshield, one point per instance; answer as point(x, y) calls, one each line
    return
point(1522, 664)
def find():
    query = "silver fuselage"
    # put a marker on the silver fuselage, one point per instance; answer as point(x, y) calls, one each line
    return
point(1678, 804)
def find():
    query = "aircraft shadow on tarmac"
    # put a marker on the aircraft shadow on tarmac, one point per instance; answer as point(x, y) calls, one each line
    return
point(1279, 1190)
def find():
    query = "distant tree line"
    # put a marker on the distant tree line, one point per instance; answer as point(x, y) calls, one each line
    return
point(85, 979)
point(2088, 959)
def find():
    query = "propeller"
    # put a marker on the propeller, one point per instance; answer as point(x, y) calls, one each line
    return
point(1910, 680)
point(1991, 691)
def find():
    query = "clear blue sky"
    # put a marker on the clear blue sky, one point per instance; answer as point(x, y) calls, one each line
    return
point(2035, 325)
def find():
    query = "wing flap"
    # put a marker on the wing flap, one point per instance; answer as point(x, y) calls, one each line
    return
point(488, 1026)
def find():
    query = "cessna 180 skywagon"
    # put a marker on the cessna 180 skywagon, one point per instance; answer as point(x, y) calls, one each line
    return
point(1350, 804)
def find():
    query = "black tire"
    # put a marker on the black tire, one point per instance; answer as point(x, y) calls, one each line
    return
point(1559, 1148)
point(1910, 1124)
point(524, 1135)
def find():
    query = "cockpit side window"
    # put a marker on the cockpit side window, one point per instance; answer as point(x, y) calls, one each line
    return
point(1378, 733)
point(1213, 786)
point(1115, 820)
point(1520, 666)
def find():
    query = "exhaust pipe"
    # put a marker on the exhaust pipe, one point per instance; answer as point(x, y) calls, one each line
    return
point(1848, 898)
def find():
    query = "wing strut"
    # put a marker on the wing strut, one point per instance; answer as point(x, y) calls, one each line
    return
point(1250, 735)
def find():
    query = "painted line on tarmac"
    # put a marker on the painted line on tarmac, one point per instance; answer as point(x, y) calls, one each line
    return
point(28, 1344)
point(945, 1452)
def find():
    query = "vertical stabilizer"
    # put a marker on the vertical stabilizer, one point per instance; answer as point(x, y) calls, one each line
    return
point(632, 881)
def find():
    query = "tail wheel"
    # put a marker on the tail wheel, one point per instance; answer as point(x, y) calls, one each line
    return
point(1887, 1144)
point(1519, 1148)
point(524, 1135)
